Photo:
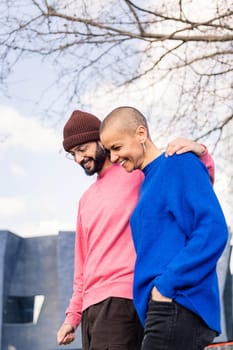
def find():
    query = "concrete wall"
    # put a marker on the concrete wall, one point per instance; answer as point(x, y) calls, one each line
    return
point(44, 266)
point(65, 267)
point(9, 248)
point(226, 292)
point(36, 266)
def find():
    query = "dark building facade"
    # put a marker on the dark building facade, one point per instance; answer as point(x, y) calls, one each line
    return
point(36, 284)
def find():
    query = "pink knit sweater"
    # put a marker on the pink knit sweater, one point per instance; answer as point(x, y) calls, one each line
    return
point(104, 252)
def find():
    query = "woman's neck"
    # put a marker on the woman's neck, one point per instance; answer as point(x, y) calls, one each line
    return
point(151, 153)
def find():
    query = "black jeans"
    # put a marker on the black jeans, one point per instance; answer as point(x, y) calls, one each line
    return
point(170, 326)
point(112, 324)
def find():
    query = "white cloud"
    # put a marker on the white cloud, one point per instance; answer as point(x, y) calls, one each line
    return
point(53, 226)
point(199, 10)
point(90, 7)
point(17, 169)
point(42, 227)
point(29, 133)
point(12, 206)
point(16, 216)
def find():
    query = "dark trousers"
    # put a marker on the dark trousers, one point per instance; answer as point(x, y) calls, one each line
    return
point(169, 326)
point(111, 325)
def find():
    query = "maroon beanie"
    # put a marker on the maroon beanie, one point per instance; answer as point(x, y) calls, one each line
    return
point(80, 128)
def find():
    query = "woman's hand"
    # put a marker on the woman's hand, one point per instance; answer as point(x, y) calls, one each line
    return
point(157, 296)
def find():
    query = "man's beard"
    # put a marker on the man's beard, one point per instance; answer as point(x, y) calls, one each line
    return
point(98, 161)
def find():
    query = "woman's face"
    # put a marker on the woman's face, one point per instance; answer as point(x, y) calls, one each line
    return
point(125, 148)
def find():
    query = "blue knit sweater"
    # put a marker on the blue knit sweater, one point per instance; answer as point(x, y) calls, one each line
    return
point(179, 232)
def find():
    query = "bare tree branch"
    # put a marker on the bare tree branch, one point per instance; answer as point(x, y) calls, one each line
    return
point(177, 58)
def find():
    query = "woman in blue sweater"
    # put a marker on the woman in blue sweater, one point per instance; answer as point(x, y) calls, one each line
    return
point(179, 233)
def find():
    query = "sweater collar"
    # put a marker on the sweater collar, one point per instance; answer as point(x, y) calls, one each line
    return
point(153, 164)
point(107, 170)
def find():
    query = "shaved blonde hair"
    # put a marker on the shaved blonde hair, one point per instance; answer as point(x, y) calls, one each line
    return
point(124, 119)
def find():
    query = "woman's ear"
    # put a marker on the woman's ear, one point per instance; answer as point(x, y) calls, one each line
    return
point(141, 133)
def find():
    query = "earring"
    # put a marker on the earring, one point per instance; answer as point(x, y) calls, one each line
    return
point(143, 146)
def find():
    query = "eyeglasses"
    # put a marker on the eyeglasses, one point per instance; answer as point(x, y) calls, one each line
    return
point(77, 151)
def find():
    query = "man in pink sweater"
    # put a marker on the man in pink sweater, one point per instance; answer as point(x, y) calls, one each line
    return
point(104, 251)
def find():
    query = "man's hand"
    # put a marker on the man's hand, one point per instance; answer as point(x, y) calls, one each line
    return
point(181, 145)
point(66, 334)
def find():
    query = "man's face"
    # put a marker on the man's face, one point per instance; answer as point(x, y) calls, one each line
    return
point(91, 156)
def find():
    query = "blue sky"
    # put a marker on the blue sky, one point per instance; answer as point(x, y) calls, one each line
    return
point(39, 187)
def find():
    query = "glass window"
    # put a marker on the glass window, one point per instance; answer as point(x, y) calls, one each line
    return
point(19, 309)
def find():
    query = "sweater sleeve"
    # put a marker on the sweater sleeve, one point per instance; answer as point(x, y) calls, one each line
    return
point(74, 310)
point(194, 206)
point(209, 163)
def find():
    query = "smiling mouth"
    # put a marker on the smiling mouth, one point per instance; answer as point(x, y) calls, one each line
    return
point(87, 164)
point(123, 162)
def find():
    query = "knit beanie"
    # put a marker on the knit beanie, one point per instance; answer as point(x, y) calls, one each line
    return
point(80, 128)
